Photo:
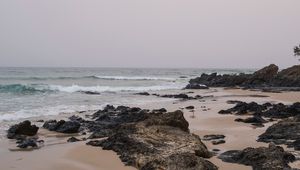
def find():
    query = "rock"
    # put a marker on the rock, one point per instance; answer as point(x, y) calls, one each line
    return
point(28, 143)
point(262, 158)
point(263, 76)
point(73, 139)
point(254, 119)
point(262, 79)
point(190, 107)
point(150, 139)
point(90, 92)
point(283, 132)
point(213, 137)
point(289, 77)
point(217, 142)
point(196, 86)
point(24, 128)
point(143, 93)
point(62, 126)
point(185, 161)
point(40, 121)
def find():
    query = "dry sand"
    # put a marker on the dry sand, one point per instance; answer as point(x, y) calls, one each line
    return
point(59, 155)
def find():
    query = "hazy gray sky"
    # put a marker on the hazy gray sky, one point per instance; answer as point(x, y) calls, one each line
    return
point(149, 33)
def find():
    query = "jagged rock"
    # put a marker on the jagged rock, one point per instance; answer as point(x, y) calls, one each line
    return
point(27, 143)
point(279, 110)
point(143, 93)
point(151, 139)
point(22, 129)
point(62, 126)
point(190, 107)
point(196, 86)
point(263, 76)
point(72, 139)
point(283, 132)
point(213, 137)
point(289, 77)
point(262, 158)
point(255, 120)
point(90, 92)
point(218, 142)
point(261, 79)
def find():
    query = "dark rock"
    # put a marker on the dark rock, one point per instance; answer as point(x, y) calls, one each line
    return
point(62, 126)
point(213, 137)
point(27, 143)
point(196, 86)
point(262, 158)
point(90, 92)
point(218, 142)
point(40, 121)
point(24, 128)
point(283, 132)
point(263, 76)
point(148, 140)
point(254, 119)
point(72, 139)
point(190, 107)
point(261, 79)
point(143, 93)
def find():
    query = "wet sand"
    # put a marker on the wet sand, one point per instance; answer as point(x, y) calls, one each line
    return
point(59, 155)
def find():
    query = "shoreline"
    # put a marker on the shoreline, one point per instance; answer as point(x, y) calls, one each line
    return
point(238, 135)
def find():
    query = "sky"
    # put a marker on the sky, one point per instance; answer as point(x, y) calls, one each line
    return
point(153, 33)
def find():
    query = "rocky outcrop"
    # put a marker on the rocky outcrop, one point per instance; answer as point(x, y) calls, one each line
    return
point(62, 126)
point(284, 132)
point(149, 139)
point(263, 78)
point(278, 111)
point(22, 130)
point(262, 158)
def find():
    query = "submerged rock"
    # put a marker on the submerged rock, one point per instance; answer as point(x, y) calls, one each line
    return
point(262, 158)
point(22, 129)
point(27, 143)
point(196, 86)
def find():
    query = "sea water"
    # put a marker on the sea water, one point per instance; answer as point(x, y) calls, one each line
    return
point(33, 92)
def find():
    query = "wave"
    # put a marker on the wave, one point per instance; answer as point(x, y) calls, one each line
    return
point(133, 78)
point(19, 88)
point(41, 88)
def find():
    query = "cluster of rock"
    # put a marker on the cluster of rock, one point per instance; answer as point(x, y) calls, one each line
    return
point(150, 139)
point(286, 131)
point(262, 158)
point(264, 78)
point(258, 111)
point(25, 134)
point(144, 139)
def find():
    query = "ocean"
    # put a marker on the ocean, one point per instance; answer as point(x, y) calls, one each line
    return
point(33, 92)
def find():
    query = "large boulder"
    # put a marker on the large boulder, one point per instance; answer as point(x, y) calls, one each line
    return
point(263, 76)
point(22, 129)
point(157, 141)
point(262, 158)
point(289, 77)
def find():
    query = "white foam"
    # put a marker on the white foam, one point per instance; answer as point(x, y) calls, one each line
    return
point(77, 88)
point(134, 78)
point(46, 111)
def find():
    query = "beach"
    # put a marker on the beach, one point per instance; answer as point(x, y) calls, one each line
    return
point(58, 154)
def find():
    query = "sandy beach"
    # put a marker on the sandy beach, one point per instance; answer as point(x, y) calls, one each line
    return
point(60, 155)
